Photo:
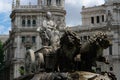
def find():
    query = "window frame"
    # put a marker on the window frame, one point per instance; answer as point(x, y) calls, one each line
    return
point(92, 20)
point(33, 22)
point(98, 19)
point(28, 22)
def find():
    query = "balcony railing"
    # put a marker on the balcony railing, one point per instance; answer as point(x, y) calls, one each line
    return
point(27, 7)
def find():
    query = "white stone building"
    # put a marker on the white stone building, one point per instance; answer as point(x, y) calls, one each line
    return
point(105, 18)
point(25, 20)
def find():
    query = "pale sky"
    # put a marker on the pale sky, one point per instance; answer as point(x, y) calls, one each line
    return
point(73, 8)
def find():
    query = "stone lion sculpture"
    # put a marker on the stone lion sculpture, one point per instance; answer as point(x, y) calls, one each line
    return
point(92, 51)
point(54, 58)
point(60, 58)
point(69, 48)
point(58, 63)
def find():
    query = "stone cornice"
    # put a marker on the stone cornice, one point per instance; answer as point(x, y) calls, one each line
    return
point(93, 11)
point(101, 7)
point(36, 11)
point(81, 29)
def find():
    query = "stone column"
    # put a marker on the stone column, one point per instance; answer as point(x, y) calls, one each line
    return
point(18, 21)
point(38, 22)
point(31, 21)
point(115, 16)
point(25, 21)
point(18, 47)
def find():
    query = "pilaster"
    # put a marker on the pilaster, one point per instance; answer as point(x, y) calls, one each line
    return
point(38, 20)
point(25, 21)
point(31, 21)
point(18, 47)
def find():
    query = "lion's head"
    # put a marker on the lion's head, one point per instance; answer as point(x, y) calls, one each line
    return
point(70, 39)
point(102, 40)
point(70, 43)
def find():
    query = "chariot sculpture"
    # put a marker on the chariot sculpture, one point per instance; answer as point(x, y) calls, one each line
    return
point(65, 57)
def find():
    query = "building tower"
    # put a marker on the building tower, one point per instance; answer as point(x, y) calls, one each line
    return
point(25, 19)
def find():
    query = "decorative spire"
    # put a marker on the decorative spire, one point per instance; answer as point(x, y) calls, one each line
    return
point(17, 3)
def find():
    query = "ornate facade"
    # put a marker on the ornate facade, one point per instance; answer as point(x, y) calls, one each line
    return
point(25, 20)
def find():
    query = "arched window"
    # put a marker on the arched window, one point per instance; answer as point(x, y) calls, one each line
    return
point(34, 22)
point(28, 22)
point(48, 2)
point(58, 2)
point(23, 22)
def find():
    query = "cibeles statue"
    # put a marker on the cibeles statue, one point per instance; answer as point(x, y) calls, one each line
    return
point(49, 33)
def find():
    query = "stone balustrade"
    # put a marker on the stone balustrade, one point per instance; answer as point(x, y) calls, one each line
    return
point(27, 7)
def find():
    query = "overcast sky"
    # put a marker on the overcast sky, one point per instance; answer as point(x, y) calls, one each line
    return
point(73, 8)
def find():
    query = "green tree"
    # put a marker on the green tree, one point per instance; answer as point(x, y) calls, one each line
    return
point(1, 55)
